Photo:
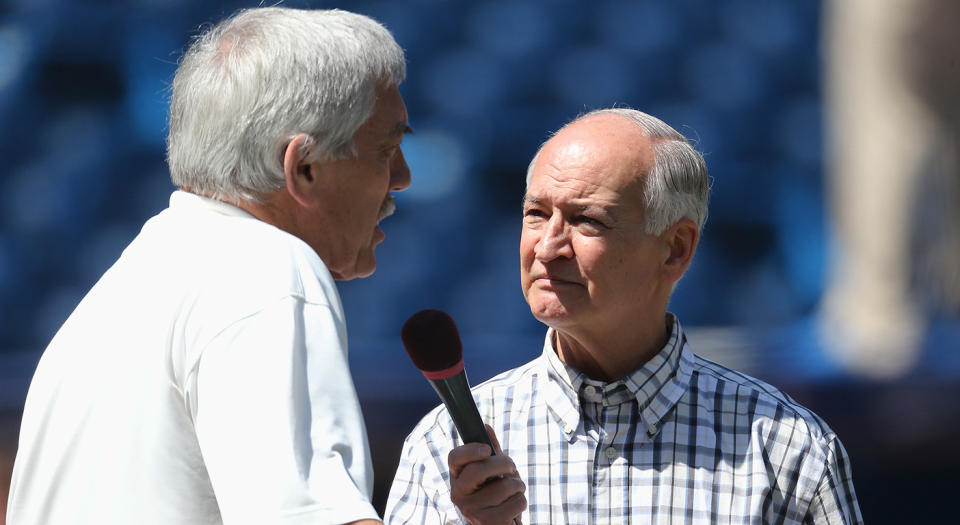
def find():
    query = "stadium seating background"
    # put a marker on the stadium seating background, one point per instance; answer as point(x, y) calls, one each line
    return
point(83, 101)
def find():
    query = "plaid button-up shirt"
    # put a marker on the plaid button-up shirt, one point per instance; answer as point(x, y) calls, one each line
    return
point(681, 440)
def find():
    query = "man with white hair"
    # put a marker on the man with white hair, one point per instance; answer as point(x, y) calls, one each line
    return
point(204, 378)
point(618, 421)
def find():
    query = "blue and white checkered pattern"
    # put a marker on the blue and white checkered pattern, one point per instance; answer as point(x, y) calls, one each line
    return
point(682, 441)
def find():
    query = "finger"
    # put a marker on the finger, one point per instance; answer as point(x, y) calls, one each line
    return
point(515, 505)
point(494, 493)
point(493, 439)
point(511, 509)
point(466, 454)
point(499, 496)
point(474, 475)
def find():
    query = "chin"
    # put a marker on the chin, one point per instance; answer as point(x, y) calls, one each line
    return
point(556, 321)
point(366, 264)
point(551, 313)
point(361, 268)
point(365, 273)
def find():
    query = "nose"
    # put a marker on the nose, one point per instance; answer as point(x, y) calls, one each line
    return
point(554, 241)
point(399, 172)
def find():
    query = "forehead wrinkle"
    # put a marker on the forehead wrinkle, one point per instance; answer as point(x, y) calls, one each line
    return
point(581, 203)
point(601, 162)
point(578, 195)
point(604, 140)
point(583, 187)
point(580, 180)
point(572, 204)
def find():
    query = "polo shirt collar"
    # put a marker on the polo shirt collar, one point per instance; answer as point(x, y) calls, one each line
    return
point(657, 385)
point(184, 200)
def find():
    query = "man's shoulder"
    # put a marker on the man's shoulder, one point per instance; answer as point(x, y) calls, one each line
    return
point(756, 397)
point(213, 271)
point(241, 252)
point(522, 376)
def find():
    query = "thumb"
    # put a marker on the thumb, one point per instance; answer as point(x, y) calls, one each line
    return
point(493, 439)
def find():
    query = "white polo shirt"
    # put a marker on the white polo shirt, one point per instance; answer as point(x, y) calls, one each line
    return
point(203, 379)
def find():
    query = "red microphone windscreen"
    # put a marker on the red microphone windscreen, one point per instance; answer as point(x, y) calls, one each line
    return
point(432, 340)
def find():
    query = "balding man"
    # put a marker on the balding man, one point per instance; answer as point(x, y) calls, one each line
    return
point(618, 421)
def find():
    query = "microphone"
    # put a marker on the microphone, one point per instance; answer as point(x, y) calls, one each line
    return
point(432, 340)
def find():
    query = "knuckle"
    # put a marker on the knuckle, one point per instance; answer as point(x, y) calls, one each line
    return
point(454, 457)
point(523, 502)
point(482, 518)
point(469, 471)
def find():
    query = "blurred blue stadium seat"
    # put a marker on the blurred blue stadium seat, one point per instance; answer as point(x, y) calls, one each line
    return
point(486, 84)
point(83, 94)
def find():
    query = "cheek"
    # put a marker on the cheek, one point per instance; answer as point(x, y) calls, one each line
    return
point(527, 246)
point(526, 262)
point(591, 253)
point(606, 270)
point(366, 205)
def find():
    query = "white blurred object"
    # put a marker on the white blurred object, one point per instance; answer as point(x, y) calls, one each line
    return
point(885, 144)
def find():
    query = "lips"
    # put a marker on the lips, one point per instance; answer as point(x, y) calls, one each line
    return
point(554, 279)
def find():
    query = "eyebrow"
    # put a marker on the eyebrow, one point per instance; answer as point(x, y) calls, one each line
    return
point(526, 198)
point(608, 211)
point(401, 128)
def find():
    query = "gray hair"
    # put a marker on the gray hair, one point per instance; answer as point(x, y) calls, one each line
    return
point(250, 84)
point(677, 186)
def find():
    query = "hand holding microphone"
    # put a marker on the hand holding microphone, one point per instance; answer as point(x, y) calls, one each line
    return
point(484, 486)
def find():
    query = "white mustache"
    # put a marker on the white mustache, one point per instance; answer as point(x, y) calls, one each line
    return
point(387, 208)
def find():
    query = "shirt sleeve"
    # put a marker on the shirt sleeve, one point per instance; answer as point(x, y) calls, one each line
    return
point(278, 420)
point(421, 492)
point(835, 501)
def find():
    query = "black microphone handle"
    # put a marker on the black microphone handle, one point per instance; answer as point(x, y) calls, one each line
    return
point(454, 391)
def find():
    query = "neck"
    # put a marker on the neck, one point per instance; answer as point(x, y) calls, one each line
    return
point(274, 210)
point(612, 355)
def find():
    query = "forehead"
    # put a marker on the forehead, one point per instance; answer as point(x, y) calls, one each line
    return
point(605, 156)
point(389, 117)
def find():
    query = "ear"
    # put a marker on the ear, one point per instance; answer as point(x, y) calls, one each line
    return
point(681, 238)
point(297, 172)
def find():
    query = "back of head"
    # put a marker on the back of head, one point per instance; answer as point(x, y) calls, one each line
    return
point(251, 83)
point(678, 185)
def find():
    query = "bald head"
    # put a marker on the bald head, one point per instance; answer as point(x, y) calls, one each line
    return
point(671, 174)
point(605, 142)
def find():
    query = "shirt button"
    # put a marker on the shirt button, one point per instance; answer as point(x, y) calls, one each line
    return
point(590, 390)
point(610, 452)
point(567, 429)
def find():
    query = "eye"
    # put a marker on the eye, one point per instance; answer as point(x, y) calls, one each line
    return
point(589, 226)
point(390, 151)
point(534, 216)
point(583, 219)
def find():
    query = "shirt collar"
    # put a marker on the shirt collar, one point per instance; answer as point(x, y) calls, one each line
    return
point(657, 385)
point(185, 200)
